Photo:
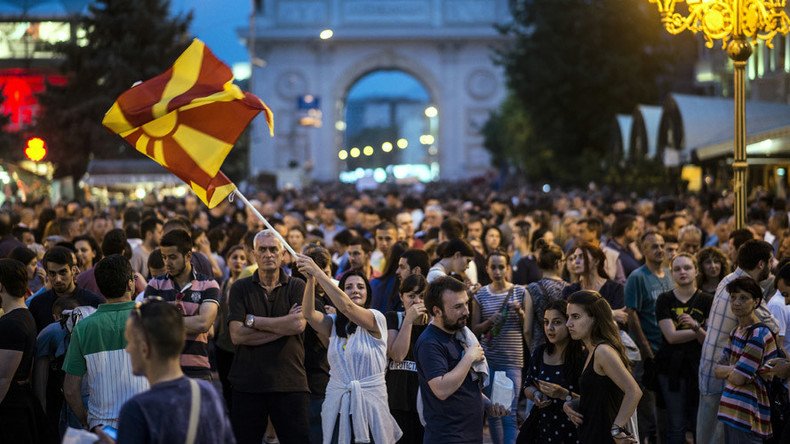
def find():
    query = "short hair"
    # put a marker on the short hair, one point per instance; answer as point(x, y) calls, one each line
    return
point(417, 258)
point(622, 223)
point(176, 223)
point(752, 252)
point(163, 327)
point(343, 237)
point(22, 254)
point(155, 260)
point(594, 224)
point(452, 246)
point(436, 289)
point(65, 224)
point(62, 304)
point(13, 276)
point(747, 285)
point(740, 236)
point(359, 240)
point(115, 242)
point(266, 233)
point(386, 226)
point(112, 275)
point(132, 230)
point(58, 255)
point(649, 233)
point(178, 238)
point(452, 228)
point(690, 230)
point(149, 225)
point(784, 273)
point(92, 242)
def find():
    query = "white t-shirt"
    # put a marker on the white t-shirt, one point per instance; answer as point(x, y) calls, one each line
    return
point(780, 311)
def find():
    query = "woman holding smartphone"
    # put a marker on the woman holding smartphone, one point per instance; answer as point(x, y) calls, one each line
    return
point(552, 379)
point(609, 393)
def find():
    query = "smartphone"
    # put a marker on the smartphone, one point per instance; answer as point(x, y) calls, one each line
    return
point(112, 432)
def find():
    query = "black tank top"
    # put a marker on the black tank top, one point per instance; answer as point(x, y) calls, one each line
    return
point(599, 404)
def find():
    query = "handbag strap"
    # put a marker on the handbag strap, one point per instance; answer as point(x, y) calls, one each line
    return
point(194, 412)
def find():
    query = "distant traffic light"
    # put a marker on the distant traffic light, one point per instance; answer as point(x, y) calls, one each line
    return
point(35, 149)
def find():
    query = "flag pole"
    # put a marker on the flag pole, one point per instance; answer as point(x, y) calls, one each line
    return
point(266, 222)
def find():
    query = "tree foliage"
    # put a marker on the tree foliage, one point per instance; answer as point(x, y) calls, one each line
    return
point(126, 41)
point(572, 66)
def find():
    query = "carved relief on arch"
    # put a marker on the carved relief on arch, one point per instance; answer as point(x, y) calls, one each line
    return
point(290, 84)
point(481, 84)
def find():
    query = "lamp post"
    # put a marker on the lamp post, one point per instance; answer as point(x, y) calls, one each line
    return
point(738, 24)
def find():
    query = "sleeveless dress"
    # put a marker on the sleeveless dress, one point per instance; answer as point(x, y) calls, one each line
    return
point(599, 404)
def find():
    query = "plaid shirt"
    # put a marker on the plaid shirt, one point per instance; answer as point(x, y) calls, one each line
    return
point(720, 324)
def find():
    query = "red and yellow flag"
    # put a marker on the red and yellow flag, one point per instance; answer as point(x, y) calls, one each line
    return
point(187, 120)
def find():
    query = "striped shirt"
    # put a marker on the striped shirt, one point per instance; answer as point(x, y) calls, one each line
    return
point(720, 323)
point(747, 407)
point(506, 349)
point(201, 289)
point(96, 352)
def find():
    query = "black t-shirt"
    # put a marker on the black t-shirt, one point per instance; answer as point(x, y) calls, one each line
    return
point(402, 383)
point(315, 362)
point(279, 365)
point(18, 333)
point(527, 271)
point(673, 357)
point(41, 305)
point(610, 290)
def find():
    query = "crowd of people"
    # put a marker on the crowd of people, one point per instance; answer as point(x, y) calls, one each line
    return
point(386, 316)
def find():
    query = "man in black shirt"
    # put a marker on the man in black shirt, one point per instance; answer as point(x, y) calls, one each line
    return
point(61, 270)
point(268, 372)
point(21, 417)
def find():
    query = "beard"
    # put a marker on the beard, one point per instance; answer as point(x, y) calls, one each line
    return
point(456, 325)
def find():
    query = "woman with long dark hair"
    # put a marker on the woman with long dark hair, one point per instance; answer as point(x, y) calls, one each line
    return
point(498, 315)
point(403, 329)
point(552, 377)
point(587, 263)
point(357, 355)
point(540, 294)
point(609, 393)
point(385, 287)
point(713, 266)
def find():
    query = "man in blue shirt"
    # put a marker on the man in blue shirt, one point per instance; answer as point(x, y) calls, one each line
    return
point(641, 292)
point(453, 403)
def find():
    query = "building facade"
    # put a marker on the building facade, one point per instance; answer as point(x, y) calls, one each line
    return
point(365, 88)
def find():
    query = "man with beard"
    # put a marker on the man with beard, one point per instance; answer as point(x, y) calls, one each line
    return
point(152, 230)
point(60, 267)
point(754, 260)
point(194, 294)
point(448, 369)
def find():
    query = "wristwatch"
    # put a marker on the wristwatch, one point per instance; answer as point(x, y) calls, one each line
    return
point(249, 321)
point(569, 398)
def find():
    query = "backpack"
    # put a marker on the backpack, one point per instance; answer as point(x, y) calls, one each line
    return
point(777, 393)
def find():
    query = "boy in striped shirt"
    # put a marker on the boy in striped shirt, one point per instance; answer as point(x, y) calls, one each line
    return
point(195, 295)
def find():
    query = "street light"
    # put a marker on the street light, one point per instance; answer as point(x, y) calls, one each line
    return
point(738, 24)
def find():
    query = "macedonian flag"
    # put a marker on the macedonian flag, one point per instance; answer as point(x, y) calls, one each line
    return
point(187, 120)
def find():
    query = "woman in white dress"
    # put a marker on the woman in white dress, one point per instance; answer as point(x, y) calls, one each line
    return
point(355, 407)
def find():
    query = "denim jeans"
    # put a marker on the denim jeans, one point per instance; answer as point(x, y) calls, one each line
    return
point(505, 429)
point(676, 407)
point(709, 429)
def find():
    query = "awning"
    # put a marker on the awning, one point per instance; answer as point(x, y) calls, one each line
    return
point(703, 126)
point(644, 132)
point(129, 173)
point(623, 132)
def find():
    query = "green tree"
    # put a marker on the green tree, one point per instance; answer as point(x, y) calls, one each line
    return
point(126, 41)
point(572, 66)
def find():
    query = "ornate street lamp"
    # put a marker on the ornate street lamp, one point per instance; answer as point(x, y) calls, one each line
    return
point(738, 24)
